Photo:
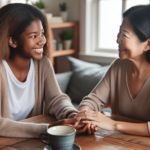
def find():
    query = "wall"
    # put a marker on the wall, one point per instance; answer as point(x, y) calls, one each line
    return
point(73, 6)
point(52, 6)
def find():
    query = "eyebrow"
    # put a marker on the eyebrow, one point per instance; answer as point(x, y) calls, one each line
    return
point(34, 32)
point(126, 31)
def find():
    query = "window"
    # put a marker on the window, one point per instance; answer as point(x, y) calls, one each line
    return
point(18, 1)
point(109, 20)
point(4, 2)
point(22, 1)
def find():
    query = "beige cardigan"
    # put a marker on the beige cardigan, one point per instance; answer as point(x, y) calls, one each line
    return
point(46, 90)
point(114, 88)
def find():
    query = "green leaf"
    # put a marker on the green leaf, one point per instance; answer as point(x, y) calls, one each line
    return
point(62, 6)
point(66, 35)
point(39, 4)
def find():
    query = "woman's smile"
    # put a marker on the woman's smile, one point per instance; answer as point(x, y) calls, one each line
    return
point(39, 50)
point(121, 49)
point(33, 40)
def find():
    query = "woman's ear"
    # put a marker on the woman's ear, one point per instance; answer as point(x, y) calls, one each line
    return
point(12, 42)
point(147, 45)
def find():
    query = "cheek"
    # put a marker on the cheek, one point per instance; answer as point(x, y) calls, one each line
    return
point(44, 39)
point(130, 47)
point(127, 44)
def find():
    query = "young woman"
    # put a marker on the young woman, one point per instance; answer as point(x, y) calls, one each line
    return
point(126, 85)
point(27, 83)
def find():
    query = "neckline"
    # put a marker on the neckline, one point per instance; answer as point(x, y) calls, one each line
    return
point(14, 77)
point(128, 85)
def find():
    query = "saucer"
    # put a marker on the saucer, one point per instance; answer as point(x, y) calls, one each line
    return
point(75, 147)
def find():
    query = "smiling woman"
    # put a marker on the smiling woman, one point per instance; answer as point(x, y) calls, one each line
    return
point(27, 79)
point(31, 41)
point(126, 84)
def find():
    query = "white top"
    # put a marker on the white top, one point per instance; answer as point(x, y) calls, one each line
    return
point(21, 95)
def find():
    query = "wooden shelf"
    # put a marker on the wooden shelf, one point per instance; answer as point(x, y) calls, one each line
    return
point(74, 51)
point(58, 53)
point(63, 25)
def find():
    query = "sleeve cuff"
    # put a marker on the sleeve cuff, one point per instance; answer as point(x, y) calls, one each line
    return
point(70, 112)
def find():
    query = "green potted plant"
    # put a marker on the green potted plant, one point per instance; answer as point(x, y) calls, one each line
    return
point(63, 11)
point(66, 37)
point(39, 4)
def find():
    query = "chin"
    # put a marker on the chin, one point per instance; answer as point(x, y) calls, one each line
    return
point(38, 57)
point(122, 56)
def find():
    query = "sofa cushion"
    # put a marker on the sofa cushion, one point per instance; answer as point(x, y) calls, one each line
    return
point(63, 80)
point(84, 78)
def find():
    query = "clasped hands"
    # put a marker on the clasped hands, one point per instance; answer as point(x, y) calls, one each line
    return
point(88, 121)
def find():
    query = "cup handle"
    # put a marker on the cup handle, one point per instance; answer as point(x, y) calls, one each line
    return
point(42, 139)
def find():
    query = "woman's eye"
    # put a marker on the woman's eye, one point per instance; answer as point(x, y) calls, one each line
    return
point(34, 36)
point(124, 35)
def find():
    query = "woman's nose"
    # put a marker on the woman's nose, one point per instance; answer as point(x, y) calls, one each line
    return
point(119, 40)
point(41, 40)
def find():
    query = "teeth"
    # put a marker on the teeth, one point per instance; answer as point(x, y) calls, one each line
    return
point(38, 50)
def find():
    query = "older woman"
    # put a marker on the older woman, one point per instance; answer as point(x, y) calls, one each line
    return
point(126, 85)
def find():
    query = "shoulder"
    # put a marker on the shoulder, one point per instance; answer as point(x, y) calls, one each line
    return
point(43, 62)
point(43, 65)
point(120, 64)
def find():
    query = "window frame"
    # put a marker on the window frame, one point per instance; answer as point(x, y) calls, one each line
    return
point(89, 36)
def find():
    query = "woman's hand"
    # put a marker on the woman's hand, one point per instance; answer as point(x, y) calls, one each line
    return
point(72, 115)
point(98, 119)
point(72, 122)
point(90, 129)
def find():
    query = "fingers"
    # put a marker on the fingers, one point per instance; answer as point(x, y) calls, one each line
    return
point(82, 130)
point(89, 112)
point(76, 123)
point(79, 126)
point(90, 115)
point(96, 129)
point(88, 121)
point(72, 115)
point(89, 129)
point(92, 128)
point(71, 121)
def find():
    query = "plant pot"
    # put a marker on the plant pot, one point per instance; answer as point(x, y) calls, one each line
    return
point(67, 44)
point(49, 16)
point(64, 15)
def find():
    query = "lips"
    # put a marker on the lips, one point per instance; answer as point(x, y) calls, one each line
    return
point(121, 49)
point(38, 50)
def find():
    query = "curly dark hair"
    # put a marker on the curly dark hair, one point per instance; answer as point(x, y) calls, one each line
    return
point(139, 17)
point(14, 19)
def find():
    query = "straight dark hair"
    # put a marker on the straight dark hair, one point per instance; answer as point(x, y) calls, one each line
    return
point(14, 19)
point(139, 17)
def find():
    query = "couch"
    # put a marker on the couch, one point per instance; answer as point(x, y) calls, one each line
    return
point(81, 80)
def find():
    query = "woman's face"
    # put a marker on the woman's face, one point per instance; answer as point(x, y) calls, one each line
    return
point(130, 47)
point(31, 41)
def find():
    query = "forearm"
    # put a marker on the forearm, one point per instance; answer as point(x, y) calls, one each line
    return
point(132, 128)
point(10, 128)
point(84, 108)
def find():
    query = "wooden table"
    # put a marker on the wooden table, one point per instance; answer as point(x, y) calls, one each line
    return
point(101, 140)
